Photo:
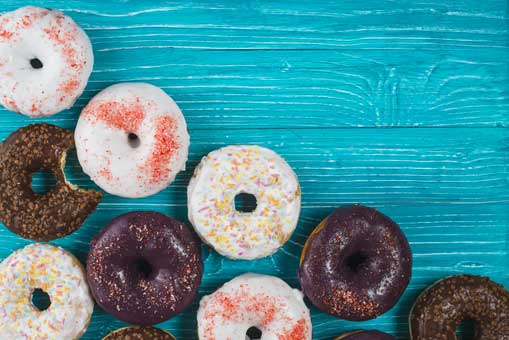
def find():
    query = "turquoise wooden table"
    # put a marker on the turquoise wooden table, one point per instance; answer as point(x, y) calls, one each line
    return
point(400, 105)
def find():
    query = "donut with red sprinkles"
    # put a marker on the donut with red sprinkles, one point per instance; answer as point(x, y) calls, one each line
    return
point(254, 302)
point(132, 140)
point(45, 61)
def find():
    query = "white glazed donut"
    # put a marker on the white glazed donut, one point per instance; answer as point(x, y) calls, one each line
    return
point(253, 300)
point(231, 170)
point(132, 140)
point(61, 276)
point(45, 61)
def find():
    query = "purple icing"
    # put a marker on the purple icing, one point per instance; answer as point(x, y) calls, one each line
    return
point(356, 264)
point(368, 335)
point(144, 267)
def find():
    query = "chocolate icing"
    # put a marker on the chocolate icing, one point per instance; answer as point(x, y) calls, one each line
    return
point(439, 311)
point(54, 214)
point(356, 264)
point(366, 335)
point(137, 295)
point(139, 333)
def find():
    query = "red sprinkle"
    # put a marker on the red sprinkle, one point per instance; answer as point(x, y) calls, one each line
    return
point(165, 147)
point(54, 34)
point(26, 20)
point(126, 117)
point(69, 86)
point(11, 103)
point(106, 174)
point(6, 34)
point(63, 38)
point(299, 331)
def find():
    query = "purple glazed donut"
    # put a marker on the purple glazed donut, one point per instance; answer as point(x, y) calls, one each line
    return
point(144, 267)
point(366, 335)
point(356, 264)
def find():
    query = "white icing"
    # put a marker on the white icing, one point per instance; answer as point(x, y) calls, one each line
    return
point(59, 274)
point(105, 153)
point(64, 50)
point(262, 301)
point(231, 170)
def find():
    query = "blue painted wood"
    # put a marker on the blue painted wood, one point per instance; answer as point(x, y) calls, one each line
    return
point(401, 105)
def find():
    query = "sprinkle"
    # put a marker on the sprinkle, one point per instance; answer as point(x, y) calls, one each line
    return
point(163, 150)
point(126, 116)
point(6, 34)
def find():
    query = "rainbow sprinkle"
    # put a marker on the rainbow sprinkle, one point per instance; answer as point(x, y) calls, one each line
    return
point(59, 274)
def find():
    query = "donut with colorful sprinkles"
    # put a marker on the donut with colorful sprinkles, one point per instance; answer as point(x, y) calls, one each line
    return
point(249, 301)
point(45, 61)
point(244, 169)
point(59, 274)
point(132, 140)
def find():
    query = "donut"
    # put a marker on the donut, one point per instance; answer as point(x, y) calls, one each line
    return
point(441, 308)
point(45, 61)
point(227, 172)
point(365, 335)
point(254, 300)
point(132, 140)
point(40, 217)
point(139, 333)
point(144, 267)
point(356, 264)
point(61, 276)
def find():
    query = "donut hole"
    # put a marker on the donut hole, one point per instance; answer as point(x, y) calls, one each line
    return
point(43, 181)
point(36, 63)
point(143, 267)
point(133, 140)
point(355, 261)
point(40, 299)
point(253, 333)
point(466, 330)
point(245, 202)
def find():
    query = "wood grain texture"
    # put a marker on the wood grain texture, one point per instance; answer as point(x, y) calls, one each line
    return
point(401, 105)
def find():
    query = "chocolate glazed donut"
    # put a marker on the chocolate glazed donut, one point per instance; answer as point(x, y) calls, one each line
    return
point(441, 308)
point(144, 267)
point(139, 333)
point(54, 214)
point(356, 264)
point(366, 335)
